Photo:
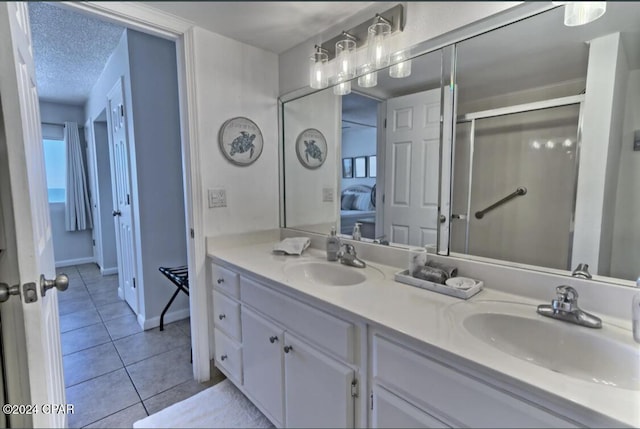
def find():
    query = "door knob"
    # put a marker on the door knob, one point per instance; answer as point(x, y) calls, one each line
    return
point(61, 282)
point(6, 291)
point(442, 218)
point(116, 213)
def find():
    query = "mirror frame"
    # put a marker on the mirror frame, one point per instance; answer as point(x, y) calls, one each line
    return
point(449, 39)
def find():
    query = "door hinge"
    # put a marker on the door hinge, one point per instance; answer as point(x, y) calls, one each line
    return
point(385, 122)
point(128, 199)
point(94, 242)
point(193, 234)
point(134, 282)
point(354, 388)
point(371, 397)
point(121, 110)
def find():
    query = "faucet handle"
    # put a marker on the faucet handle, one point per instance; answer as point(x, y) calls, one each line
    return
point(349, 249)
point(566, 293)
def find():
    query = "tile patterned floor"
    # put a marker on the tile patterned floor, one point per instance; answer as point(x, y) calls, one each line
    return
point(114, 372)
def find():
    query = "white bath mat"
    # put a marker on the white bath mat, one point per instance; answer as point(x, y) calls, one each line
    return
point(220, 406)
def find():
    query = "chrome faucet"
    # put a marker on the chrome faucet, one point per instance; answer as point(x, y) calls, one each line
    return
point(565, 308)
point(348, 257)
point(582, 270)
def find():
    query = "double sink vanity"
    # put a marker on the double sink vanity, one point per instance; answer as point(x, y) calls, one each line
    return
point(320, 344)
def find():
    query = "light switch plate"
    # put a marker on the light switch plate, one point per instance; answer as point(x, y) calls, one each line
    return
point(327, 195)
point(217, 198)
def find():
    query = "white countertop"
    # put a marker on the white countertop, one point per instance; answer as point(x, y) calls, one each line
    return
point(428, 317)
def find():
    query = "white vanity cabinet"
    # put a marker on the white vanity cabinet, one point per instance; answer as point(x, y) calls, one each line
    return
point(226, 321)
point(411, 389)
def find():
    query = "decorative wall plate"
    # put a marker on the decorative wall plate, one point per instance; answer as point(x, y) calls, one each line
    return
point(240, 141)
point(311, 148)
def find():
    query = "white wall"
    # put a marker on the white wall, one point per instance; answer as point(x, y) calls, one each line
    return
point(158, 169)
point(626, 234)
point(304, 205)
point(358, 141)
point(234, 79)
point(424, 21)
point(600, 153)
point(69, 247)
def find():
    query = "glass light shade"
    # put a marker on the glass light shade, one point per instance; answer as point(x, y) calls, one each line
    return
point(369, 78)
point(378, 44)
point(402, 66)
point(346, 59)
point(318, 73)
point(343, 88)
point(583, 12)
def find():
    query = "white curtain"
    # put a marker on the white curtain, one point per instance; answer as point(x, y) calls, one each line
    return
point(77, 207)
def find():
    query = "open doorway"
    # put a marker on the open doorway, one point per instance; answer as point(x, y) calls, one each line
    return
point(111, 348)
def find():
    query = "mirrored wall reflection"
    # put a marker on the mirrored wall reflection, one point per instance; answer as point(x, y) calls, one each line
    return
point(383, 157)
point(551, 109)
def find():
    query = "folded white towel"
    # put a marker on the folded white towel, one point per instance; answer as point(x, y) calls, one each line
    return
point(292, 246)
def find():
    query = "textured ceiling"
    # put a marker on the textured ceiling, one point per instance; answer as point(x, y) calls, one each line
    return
point(269, 25)
point(70, 51)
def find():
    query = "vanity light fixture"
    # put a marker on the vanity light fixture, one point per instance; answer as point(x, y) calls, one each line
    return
point(318, 73)
point(401, 65)
point(581, 12)
point(342, 56)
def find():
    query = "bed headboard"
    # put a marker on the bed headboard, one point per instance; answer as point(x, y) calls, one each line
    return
point(357, 188)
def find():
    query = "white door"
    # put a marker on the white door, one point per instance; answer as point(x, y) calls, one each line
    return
point(33, 248)
point(412, 161)
point(317, 388)
point(121, 189)
point(93, 193)
point(262, 362)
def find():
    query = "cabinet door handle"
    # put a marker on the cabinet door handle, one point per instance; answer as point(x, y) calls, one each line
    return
point(222, 316)
point(287, 349)
point(220, 280)
point(223, 357)
point(273, 339)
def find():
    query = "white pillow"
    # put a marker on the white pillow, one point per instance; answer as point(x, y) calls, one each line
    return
point(362, 202)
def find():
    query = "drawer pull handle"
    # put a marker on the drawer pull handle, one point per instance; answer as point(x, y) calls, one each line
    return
point(273, 339)
point(222, 316)
point(220, 280)
point(287, 349)
point(223, 357)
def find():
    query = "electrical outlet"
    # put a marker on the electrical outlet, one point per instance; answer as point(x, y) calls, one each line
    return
point(327, 195)
point(217, 198)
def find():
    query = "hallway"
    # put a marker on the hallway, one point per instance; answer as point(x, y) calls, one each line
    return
point(115, 373)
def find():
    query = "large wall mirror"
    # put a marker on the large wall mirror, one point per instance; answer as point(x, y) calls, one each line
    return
point(541, 168)
point(545, 172)
point(394, 126)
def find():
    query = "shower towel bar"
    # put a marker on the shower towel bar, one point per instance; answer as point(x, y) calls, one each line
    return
point(521, 190)
point(179, 276)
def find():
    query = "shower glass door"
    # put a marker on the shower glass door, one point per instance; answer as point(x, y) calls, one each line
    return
point(508, 167)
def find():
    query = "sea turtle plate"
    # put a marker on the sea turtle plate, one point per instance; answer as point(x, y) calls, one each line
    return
point(311, 148)
point(240, 141)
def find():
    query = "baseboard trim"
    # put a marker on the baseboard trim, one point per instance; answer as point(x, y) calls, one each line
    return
point(171, 316)
point(109, 271)
point(79, 261)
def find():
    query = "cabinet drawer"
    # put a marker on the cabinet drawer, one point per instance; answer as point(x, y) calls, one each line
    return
point(451, 396)
point(390, 411)
point(329, 332)
point(226, 313)
point(228, 355)
point(225, 280)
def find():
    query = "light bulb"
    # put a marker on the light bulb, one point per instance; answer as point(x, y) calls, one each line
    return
point(550, 144)
point(318, 76)
point(567, 143)
point(377, 45)
point(345, 58)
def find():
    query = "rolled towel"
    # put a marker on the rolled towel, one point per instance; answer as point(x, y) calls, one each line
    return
point(292, 246)
point(431, 274)
point(448, 269)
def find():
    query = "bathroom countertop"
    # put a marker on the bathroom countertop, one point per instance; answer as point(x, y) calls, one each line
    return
point(431, 318)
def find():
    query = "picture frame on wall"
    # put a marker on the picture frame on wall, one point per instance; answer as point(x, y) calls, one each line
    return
point(360, 166)
point(347, 168)
point(373, 166)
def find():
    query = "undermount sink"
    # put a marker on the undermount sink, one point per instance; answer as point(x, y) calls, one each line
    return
point(606, 356)
point(330, 273)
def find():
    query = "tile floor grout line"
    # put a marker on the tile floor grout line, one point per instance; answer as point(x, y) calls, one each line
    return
point(93, 378)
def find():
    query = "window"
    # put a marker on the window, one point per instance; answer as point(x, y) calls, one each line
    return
point(55, 162)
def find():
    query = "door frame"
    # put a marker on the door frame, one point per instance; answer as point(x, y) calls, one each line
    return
point(160, 24)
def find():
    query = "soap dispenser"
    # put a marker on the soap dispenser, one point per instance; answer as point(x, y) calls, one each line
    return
point(357, 235)
point(333, 245)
